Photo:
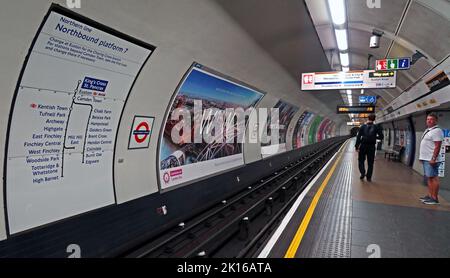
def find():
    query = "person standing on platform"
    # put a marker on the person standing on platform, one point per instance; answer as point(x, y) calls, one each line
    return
point(430, 148)
point(366, 141)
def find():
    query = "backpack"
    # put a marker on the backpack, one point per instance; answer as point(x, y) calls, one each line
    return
point(370, 134)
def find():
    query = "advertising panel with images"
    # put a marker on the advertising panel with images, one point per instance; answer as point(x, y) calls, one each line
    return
point(321, 131)
point(65, 118)
point(299, 139)
point(286, 112)
point(198, 138)
point(313, 130)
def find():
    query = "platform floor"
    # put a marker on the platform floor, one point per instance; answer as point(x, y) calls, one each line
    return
point(344, 217)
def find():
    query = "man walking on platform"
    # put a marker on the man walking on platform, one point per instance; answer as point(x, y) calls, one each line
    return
point(366, 144)
point(430, 148)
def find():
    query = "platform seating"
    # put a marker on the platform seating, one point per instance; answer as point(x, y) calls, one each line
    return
point(395, 154)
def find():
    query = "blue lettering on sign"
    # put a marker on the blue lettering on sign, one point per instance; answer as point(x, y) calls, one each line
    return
point(94, 84)
point(404, 63)
point(446, 133)
point(367, 99)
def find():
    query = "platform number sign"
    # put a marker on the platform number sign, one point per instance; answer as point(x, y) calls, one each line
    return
point(141, 132)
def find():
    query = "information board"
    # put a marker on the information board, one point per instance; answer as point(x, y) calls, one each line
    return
point(368, 79)
point(355, 110)
point(66, 112)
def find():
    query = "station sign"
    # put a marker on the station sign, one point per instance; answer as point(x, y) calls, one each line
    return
point(368, 99)
point(355, 109)
point(351, 80)
point(393, 64)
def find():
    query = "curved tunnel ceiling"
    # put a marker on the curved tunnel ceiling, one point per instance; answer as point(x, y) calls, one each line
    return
point(284, 29)
point(408, 26)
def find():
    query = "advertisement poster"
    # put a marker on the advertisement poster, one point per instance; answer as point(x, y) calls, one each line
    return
point(409, 145)
point(305, 128)
point(188, 158)
point(328, 130)
point(299, 139)
point(286, 113)
point(314, 129)
point(66, 113)
point(322, 129)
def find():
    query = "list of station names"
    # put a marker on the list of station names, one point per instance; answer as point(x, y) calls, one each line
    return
point(47, 148)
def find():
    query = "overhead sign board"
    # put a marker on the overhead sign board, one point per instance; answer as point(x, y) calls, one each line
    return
point(393, 64)
point(355, 109)
point(368, 99)
point(352, 80)
point(354, 123)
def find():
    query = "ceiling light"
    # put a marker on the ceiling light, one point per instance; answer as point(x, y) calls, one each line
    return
point(344, 59)
point(341, 38)
point(362, 91)
point(337, 9)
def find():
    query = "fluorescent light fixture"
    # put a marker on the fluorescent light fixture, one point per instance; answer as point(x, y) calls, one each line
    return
point(345, 69)
point(345, 62)
point(337, 10)
point(341, 38)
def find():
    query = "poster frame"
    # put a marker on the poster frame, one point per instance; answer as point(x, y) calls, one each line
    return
point(101, 27)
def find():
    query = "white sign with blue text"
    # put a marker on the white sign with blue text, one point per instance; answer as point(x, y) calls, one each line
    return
point(65, 119)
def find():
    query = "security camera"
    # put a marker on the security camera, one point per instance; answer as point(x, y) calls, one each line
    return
point(375, 38)
point(375, 41)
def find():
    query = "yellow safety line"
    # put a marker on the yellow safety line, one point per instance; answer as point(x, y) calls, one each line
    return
point(295, 244)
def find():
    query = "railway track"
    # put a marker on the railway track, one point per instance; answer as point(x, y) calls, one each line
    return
point(239, 225)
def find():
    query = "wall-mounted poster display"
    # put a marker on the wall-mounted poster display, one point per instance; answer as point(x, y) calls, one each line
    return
point(322, 129)
point(199, 139)
point(300, 135)
point(65, 117)
point(328, 130)
point(305, 128)
point(313, 130)
point(286, 112)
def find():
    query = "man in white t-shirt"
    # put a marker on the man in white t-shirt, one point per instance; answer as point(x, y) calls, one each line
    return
point(430, 148)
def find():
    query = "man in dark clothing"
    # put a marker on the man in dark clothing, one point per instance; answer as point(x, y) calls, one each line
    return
point(365, 144)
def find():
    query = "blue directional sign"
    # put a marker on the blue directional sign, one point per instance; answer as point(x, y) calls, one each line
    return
point(368, 99)
point(404, 63)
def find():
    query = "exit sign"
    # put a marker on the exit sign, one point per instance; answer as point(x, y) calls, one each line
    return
point(394, 64)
